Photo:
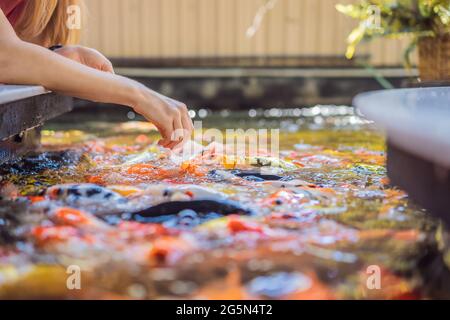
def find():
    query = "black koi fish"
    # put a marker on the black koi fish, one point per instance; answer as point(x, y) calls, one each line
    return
point(203, 208)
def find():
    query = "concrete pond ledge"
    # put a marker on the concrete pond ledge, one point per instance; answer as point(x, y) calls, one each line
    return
point(10, 93)
point(417, 124)
point(23, 110)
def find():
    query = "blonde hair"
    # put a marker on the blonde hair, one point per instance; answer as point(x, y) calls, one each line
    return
point(44, 21)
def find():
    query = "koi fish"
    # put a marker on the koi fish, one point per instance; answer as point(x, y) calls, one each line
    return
point(260, 161)
point(125, 190)
point(256, 176)
point(294, 183)
point(77, 218)
point(221, 175)
point(167, 209)
point(143, 157)
point(233, 162)
point(183, 193)
point(88, 196)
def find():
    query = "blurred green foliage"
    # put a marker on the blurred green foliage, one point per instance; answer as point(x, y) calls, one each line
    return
point(396, 18)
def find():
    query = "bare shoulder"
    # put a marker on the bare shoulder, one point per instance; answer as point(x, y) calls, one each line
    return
point(6, 30)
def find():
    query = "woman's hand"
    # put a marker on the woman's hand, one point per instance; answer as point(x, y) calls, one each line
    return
point(87, 56)
point(170, 116)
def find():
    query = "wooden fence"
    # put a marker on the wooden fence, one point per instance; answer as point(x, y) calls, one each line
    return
point(217, 28)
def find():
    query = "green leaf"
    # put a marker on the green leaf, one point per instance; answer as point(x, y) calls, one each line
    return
point(350, 10)
point(355, 37)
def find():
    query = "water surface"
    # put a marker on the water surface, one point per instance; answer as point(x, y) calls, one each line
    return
point(324, 220)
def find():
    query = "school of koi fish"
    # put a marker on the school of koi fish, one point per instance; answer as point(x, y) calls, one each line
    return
point(318, 222)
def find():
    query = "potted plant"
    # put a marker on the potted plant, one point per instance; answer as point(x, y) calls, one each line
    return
point(426, 21)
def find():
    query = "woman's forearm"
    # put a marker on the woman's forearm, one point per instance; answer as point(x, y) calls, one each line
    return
point(33, 65)
point(26, 63)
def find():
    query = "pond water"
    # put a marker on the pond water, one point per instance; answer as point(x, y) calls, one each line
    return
point(103, 207)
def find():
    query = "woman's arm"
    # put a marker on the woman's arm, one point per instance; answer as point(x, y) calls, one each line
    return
point(87, 56)
point(25, 63)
